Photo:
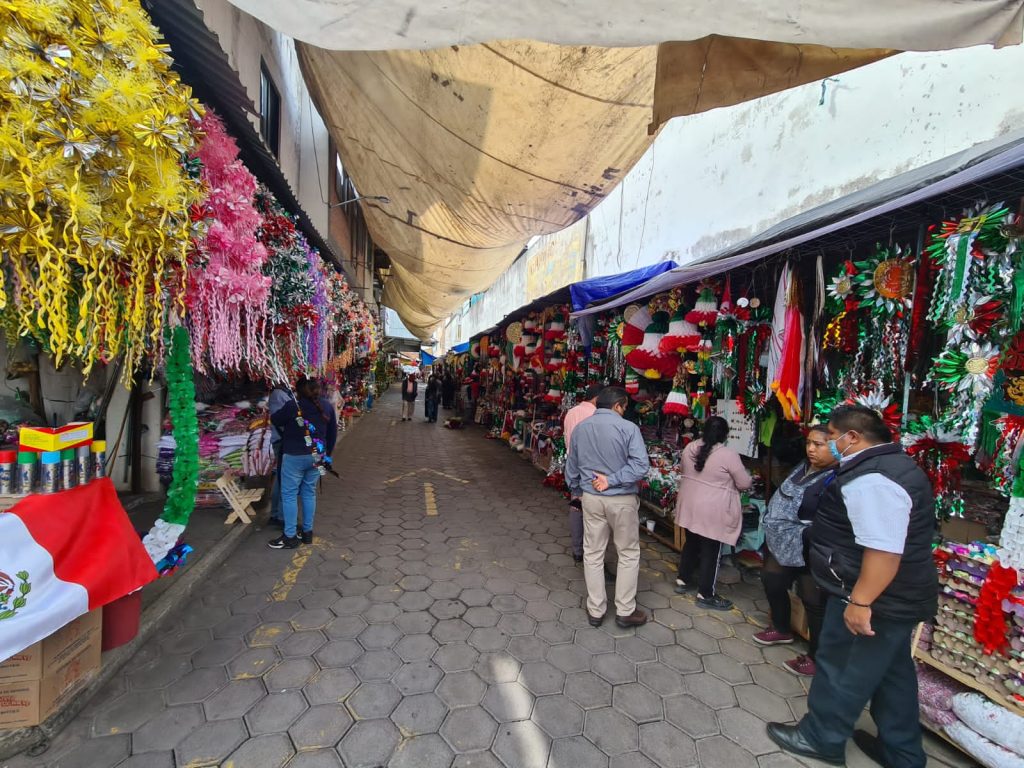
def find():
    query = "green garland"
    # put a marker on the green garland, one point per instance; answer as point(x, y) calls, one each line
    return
point(181, 391)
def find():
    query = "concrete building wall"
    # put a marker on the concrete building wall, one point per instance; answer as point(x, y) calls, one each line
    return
point(711, 181)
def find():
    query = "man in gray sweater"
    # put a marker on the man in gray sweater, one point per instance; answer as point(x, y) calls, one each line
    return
point(607, 458)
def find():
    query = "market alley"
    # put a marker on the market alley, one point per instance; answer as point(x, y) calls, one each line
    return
point(437, 621)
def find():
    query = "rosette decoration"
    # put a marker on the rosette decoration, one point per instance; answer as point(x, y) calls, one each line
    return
point(884, 282)
point(228, 294)
point(841, 331)
point(941, 454)
point(968, 374)
point(94, 188)
point(1006, 451)
point(181, 496)
point(647, 359)
point(634, 328)
point(881, 404)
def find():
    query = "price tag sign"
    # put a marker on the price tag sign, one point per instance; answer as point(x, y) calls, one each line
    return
point(741, 428)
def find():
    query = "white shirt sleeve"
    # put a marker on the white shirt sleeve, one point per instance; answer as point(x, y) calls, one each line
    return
point(879, 511)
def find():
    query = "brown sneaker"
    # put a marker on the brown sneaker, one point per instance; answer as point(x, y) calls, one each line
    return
point(636, 619)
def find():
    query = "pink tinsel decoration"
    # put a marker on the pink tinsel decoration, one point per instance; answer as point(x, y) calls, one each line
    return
point(228, 294)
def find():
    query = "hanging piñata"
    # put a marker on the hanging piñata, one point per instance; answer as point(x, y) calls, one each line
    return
point(94, 190)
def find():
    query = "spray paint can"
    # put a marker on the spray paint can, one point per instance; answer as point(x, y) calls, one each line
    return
point(49, 475)
point(83, 464)
point(99, 458)
point(8, 461)
point(26, 472)
point(68, 473)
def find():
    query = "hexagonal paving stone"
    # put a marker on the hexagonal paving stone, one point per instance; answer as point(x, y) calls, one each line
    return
point(712, 627)
point(691, 716)
point(304, 643)
point(374, 700)
point(558, 716)
point(444, 590)
point(369, 744)
point(497, 667)
point(542, 678)
point(196, 686)
point(569, 658)
point(730, 670)
point(451, 631)
point(418, 677)
point(378, 637)
point(555, 632)
point(611, 731)
point(456, 657)
point(614, 668)
point(290, 673)
point(635, 649)
point(428, 751)
point(269, 634)
point(488, 639)
point(415, 601)
point(638, 702)
point(696, 641)
point(763, 703)
point(747, 730)
point(147, 760)
point(320, 758)
point(680, 659)
point(414, 583)
point(381, 613)
point(160, 673)
point(577, 752)
point(777, 680)
point(331, 686)
point(542, 610)
point(320, 726)
point(351, 606)
point(461, 689)
point(419, 714)
point(469, 730)
point(416, 647)
point(126, 713)
point(185, 642)
point(234, 699)
point(252, 663)
point(522, 744)
point(588, 690)
point(339, 653)
point(416, 622)
point(476, 597)
point(508, 702)
point(481, 616)
point(274, 713)
point(447, 609)
point(236, 626)
point(667, 746)
point(508, 603)
point(377, 665)
point(211, 743)
point(282, 610)
point(718, 750)
point(594, 640)
point(269, 751)
point(517, 624)
point(345, 627)
point(661, 679)
point(167, 729)
point(741, 650)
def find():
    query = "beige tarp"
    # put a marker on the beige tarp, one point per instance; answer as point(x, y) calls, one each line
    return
point(481, 146)
point(906, 25)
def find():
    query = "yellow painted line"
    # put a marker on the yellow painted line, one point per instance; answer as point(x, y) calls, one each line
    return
point(290, 575)
point(425, 469)
point(429, 499)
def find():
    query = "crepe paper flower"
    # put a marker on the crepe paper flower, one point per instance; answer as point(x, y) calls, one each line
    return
point(974, 319)
point(677, 403)
point(94, 199)
point(885, 281)
point(648, 360)
point(969, 368)
point(841, 287)
point(635, 326)
point(705, 311)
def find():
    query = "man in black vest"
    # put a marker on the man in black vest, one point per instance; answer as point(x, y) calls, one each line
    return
point(871, 553)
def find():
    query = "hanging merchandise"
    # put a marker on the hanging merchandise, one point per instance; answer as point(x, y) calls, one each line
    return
point(677, 403)
point(95, 195)
point(514, 336)
point(786, 351)
point(181, 496)
point(751, 391)
point(555, 329)
point(941, 454)
point(228, 294)
point(728, 327)
point(634, 328)
point(967, 372)
point(647, 359)
point(682, 336)
point(632, 384)
point(705, 311)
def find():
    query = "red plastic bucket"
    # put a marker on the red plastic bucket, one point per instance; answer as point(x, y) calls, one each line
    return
point(121, 620)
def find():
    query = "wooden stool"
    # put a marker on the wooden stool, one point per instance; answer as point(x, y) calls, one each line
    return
point(239, 499)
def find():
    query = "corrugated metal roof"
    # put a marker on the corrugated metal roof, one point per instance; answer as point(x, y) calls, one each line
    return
point(203, 65)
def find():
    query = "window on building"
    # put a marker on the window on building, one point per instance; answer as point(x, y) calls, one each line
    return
point(270, 111)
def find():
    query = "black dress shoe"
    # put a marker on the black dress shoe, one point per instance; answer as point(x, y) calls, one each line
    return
point(595, 621)
point(791, 740)
point(870, 746)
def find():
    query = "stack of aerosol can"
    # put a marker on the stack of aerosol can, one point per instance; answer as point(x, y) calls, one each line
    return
point(52, 460)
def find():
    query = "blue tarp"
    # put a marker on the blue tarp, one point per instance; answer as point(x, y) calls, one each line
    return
point(600, 288)
point(460, 349)
point(426, 358)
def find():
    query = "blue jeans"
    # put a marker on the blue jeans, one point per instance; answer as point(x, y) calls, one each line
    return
point(275, 488)
point(298, 480)
point(431, 409)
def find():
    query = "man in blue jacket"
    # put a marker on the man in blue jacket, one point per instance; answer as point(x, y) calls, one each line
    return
point(607, 458)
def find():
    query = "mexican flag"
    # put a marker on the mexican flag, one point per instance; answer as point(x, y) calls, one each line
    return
point(62, 556)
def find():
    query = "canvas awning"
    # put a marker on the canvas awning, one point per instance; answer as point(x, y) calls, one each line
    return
point(481, 145)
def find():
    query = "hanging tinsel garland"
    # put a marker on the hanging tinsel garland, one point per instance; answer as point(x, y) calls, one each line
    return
point(941, 454)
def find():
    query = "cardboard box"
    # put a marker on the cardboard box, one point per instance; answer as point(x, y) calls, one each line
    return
point(71, 435)
point(49, 656)
point(29, 702)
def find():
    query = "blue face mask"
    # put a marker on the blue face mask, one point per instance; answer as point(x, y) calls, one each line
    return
point(834, 449)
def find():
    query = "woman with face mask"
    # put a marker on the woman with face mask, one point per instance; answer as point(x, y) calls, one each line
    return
point(787, 524)
point(708, 507)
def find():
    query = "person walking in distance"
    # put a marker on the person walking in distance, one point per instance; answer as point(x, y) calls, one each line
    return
point(448, 390)
point(573, 418)
point(708, 507)
point(431, 397)
point(309, 429)
point(787, 527)
point(410, 387)
point(606, 460)
point(871, 552)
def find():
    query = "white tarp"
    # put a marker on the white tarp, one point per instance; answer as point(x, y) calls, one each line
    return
point(907, 25)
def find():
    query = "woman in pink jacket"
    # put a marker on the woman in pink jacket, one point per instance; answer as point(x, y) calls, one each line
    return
point(708, 507)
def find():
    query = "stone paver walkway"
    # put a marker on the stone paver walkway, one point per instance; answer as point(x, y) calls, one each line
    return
point(419, 634)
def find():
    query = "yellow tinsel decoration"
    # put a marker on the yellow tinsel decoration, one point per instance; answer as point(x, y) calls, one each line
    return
point(94, 196)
